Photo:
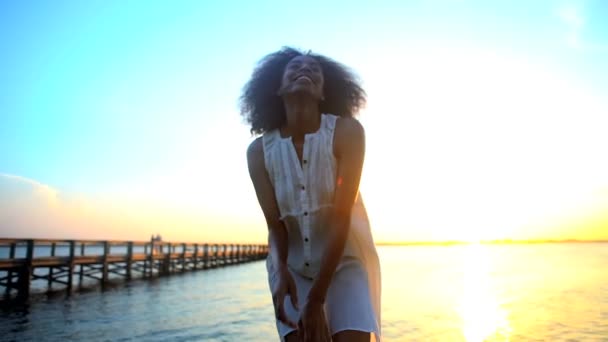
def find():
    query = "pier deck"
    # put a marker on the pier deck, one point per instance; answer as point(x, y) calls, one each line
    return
point(69, 262)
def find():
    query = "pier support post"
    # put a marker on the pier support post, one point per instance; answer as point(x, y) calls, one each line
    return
point(147, 257)
point(25, 273)
point(81, 267)
point(195, 257)
point(183, 258)
point(9, 279)
point(71, 266)
point(51, 268)
point(166, 265)
point(104, 266)
point(206, 256)
point(129, 259)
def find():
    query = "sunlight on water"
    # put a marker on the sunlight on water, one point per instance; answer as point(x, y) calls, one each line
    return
point(479, 308)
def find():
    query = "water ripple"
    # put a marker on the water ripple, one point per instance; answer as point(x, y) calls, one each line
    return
point(455, 293)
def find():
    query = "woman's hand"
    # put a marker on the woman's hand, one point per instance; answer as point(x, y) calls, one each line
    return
point(312, 326)
point(284, 286)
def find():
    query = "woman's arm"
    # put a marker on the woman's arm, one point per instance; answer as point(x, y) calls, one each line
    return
point(349, 149)
point(277, 234)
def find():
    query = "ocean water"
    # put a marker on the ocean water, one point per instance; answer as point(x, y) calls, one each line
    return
point(534, 292)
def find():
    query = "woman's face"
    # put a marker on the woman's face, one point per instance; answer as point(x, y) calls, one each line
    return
point(303, 74)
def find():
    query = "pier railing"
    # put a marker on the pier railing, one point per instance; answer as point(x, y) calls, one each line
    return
point(66, 263)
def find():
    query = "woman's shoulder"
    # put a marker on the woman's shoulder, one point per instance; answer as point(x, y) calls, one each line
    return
point(349, 127)
point(345, 123)
point(256, 148)
point(348, 133)
point(263, 143)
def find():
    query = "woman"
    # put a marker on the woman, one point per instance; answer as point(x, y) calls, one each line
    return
point(323, 269)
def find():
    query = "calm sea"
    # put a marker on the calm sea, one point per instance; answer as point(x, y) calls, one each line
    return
point(537, 292)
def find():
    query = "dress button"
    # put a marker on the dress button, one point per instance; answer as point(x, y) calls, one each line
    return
point(304, 161)
point(305, 239)
point(306, 213)
point(307, 264)
point(303, 187)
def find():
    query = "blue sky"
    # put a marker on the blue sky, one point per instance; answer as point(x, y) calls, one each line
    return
point(136, 101)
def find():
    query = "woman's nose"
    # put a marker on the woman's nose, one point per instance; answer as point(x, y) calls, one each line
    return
point(305, 67)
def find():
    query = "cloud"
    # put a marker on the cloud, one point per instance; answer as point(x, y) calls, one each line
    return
point(39, 190)
point(27, 205)
point(30, 209)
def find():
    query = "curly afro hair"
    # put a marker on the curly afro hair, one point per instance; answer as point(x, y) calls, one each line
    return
point(263, 108)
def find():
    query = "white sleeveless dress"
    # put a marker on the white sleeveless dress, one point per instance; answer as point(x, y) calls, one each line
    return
point(304, 194)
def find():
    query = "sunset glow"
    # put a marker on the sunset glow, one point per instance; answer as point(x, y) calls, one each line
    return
point(475, 130)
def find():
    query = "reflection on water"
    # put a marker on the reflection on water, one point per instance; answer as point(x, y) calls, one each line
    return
point(464, 293)
point(470, 293)
point(479, 307)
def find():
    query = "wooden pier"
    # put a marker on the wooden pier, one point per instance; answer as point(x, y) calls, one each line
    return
point(67, 263)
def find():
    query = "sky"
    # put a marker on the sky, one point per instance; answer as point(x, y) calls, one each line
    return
point(485, 120)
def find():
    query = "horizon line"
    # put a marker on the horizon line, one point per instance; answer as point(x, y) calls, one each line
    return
point(488, 242)
point(382, 243)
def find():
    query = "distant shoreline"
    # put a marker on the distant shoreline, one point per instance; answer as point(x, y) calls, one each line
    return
point(382, 243)
point(488, 242)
